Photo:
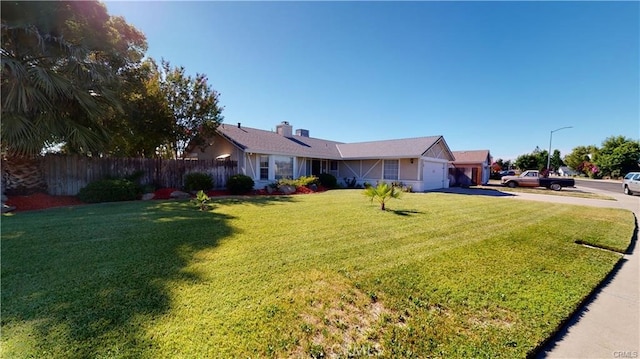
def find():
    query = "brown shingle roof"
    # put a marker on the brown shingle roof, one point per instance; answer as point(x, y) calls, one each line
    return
point(261, 141)
point(401, 148)
point(476, 156)
point(268, 142)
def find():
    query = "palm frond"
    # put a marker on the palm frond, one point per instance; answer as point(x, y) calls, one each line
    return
point(20, 135)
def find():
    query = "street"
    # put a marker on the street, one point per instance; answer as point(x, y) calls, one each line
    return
point(603, 185)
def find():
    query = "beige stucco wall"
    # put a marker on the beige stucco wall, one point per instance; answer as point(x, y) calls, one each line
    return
point(409, 171)
point(361, 169)
point(372, 169)
point(219, 147)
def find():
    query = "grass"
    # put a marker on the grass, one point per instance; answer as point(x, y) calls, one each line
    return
point(435, 275)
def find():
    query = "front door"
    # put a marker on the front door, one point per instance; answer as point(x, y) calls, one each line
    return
point(475, 178)
point(315, 167)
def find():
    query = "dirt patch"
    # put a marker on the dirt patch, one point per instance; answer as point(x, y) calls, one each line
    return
point(498, 318)
point(339, 319)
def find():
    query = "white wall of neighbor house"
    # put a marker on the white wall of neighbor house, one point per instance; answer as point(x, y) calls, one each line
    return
point(486, 172)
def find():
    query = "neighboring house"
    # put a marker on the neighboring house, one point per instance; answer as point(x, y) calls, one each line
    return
point(267, 156)
point(470, 168)
point(566, 172)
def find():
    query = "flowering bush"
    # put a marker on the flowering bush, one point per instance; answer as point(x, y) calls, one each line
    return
point(589, 169)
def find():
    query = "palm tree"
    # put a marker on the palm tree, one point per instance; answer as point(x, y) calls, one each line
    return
point(381, 193)
point(53, 92)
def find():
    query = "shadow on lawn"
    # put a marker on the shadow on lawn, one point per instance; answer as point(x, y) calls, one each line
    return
point(252, 200)
point(474, 191)
point(99, 275)
point(406, 212)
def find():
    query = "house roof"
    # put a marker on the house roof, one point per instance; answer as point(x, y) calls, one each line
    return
point(468, 157)
point(268, 142)
point(567, 169)
point(400, 148)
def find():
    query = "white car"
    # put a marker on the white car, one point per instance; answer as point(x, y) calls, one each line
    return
point(631, 183)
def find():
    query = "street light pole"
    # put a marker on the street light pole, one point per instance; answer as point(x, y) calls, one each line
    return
point(550, 138)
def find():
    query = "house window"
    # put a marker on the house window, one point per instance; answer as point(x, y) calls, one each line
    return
point(390, 170)
point(333, 168)
point(283, 167)
point(264, 167)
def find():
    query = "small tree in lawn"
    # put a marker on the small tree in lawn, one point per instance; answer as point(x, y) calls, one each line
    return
point(381, 193)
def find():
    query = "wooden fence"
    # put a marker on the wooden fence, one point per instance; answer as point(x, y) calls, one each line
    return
point(66, 175)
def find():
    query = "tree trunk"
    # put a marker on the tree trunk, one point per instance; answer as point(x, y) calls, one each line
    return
point(382, 206)
point(22, 175)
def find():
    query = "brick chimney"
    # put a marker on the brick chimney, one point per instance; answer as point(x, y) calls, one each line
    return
point(284, 129)
point(302, 133)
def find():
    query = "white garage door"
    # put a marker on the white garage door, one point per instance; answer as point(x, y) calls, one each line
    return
point(434, 175)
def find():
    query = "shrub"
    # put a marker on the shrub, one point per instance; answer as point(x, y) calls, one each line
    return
point(198, 181)
point(239, 184)
point(328, 180)
point(286, 182)
point(308, 180)
point(109, 190)
point(201, 200)
point(299, 182)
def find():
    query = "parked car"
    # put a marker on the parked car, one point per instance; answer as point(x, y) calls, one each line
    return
point(631, 183)
point(499, 174)
point(532, 178)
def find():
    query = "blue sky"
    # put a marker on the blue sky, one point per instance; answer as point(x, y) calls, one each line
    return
point(485, 75)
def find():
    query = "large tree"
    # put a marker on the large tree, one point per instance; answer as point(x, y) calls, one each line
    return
point(147, 123)
point(556, 160)
point(195, 106)
point(579, 155)
point(537, 160)
point(617, 156)
point(60, 62)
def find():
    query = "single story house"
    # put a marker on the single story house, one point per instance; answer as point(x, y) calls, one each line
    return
point(470, 168)
point(567, 171)
point(266, 156)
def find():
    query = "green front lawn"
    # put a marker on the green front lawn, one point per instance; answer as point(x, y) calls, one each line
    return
point(437, 274)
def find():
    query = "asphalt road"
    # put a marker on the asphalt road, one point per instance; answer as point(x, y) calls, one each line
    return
point(609, 186)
